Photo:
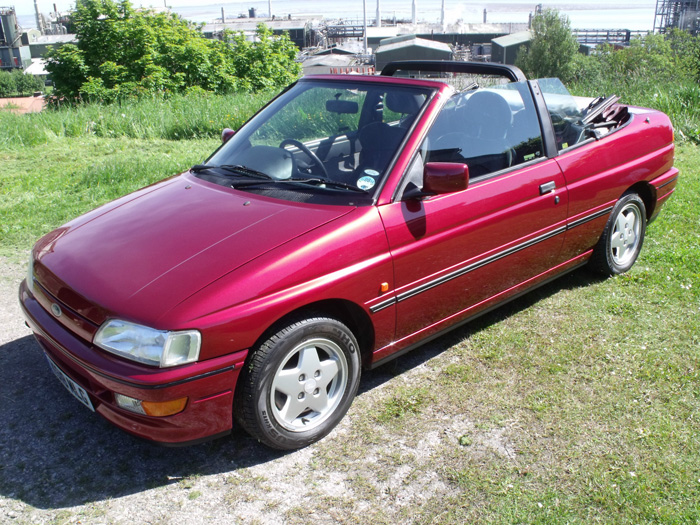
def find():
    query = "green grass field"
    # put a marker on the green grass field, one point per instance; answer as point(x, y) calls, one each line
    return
point(578, 403)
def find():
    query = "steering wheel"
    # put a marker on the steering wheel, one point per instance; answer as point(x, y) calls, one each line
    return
point(308, 152)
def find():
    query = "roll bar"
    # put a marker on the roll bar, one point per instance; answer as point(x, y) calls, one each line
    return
point(450, 66)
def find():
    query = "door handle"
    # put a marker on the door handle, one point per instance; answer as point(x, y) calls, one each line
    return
point(547, 187)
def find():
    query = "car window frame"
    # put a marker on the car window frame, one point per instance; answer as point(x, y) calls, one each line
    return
point(367, 115)
point(546, 131)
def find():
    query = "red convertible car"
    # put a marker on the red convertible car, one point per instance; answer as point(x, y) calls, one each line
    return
point(350, 220)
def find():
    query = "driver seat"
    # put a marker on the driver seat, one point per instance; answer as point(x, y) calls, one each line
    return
point(379, 140)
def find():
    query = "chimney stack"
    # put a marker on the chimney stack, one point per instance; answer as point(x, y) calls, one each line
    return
point(39, 25)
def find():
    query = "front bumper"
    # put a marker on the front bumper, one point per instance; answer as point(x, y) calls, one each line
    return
point(208, 385)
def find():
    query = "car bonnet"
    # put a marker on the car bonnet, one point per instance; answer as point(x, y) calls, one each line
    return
point(141, 255)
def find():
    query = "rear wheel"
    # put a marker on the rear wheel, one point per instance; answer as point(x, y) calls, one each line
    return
point(299, 383)
point(619, 246)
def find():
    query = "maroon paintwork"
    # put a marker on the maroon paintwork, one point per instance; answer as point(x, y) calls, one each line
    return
point(186, 253)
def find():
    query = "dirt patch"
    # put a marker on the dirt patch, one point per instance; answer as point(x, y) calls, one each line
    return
point(22, 104)
point(60, 463)
point(11, 320)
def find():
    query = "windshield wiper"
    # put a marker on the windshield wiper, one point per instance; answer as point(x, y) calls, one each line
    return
point(327, 182)
point(264, 178)
point(202, 167)
point(238, 169)
point(310, 180)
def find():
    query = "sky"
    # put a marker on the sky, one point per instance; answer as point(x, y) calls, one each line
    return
point(628, 14)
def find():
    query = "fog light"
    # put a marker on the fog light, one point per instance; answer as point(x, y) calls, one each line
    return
point(151, 408)
point(129, 403)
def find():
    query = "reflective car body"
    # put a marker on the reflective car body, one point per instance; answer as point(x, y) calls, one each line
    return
point(434, 236)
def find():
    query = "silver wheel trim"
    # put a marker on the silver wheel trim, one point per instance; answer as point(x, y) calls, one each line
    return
point(309, 384)
point(624, 239)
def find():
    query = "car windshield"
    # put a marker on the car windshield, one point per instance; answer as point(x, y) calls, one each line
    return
point(328, 142)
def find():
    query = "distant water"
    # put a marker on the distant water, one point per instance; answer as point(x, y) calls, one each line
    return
point(621, 14)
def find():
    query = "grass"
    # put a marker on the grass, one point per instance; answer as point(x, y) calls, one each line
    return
point(679, 100)
point(177, 118)
point(404, 403)
point(45, 186)
point(578, 403)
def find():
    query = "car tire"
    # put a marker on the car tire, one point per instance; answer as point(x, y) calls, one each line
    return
point(298, 384)
point(623, 236)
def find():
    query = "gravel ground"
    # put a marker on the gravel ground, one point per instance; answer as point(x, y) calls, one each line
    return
point(59, 463)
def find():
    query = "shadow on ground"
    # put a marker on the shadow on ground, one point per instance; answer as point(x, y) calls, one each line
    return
point(54, 453)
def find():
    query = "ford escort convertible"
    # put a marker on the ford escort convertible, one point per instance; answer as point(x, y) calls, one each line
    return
point(350, 220)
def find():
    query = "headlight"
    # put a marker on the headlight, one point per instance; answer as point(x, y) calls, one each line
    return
point(146, 345)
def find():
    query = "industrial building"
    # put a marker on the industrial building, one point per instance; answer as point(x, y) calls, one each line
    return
point(301, 31)
point(678, 14)
point(12, 53)
point(410, 46)
point(504, 49)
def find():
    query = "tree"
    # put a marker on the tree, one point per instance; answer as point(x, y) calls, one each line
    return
point(264, 63)
point(17, 83)
point(649, 60)
point(552, 49)
point(7, 84)
point(122, 52)
point(26, 84)
point(686, 50)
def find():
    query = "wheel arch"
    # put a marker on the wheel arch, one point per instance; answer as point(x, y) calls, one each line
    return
point(647, 193)
point(347, 312)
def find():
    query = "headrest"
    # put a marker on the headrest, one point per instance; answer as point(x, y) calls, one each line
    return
point(405, 103)
point(490, 106)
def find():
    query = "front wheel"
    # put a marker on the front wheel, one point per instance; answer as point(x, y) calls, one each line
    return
point(623, 236)
point(299, 384)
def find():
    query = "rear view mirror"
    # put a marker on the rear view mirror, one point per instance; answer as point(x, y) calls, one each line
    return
point(445, 177)
point(342, 106)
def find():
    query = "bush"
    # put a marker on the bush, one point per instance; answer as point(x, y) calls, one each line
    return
point(655, 71)
point(123, 54)
point(7, 84)
point(16, 83)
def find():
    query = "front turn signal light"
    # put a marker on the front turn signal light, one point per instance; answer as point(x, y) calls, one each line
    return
point(164, 408)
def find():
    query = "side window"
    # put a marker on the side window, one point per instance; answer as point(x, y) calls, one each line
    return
point(488, 129)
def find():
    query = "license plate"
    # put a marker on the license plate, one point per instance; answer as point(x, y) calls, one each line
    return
point(74, 388)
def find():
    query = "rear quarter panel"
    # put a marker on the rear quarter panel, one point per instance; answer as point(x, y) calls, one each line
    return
point(599, 172)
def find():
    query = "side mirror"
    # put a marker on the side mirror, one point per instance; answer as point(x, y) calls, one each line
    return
point(440, 178)
point(445, 177)
point(226, 134)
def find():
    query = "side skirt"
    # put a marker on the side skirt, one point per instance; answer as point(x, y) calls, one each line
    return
point(470, 318)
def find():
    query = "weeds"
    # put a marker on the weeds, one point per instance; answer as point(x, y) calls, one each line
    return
point(680, 100)
point(177, 118)
point(407, 401)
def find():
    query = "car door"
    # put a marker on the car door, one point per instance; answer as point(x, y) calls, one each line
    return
point(456, 254)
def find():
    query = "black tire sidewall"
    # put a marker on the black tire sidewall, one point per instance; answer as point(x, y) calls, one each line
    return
point(611, 266)
point(275, 350)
